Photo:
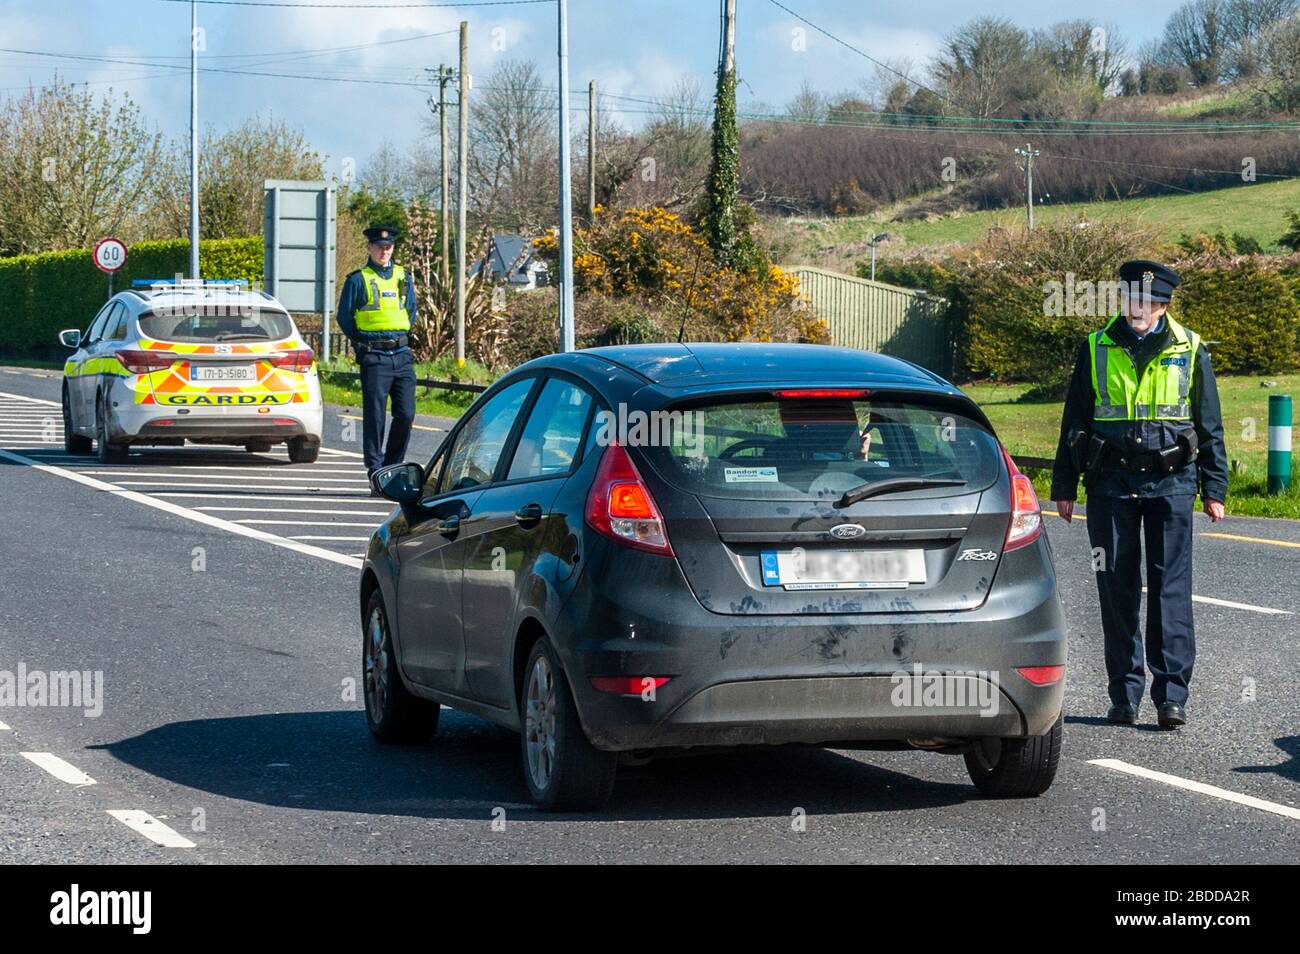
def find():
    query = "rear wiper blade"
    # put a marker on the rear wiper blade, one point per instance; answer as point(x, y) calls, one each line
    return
point(894, 484)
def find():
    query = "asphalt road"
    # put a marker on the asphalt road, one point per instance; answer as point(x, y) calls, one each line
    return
point(216, 592)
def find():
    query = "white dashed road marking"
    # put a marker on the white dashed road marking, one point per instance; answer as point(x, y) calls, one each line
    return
point(1250, 607)
point(1200, 787)
point(63, 771)
point(151, 828)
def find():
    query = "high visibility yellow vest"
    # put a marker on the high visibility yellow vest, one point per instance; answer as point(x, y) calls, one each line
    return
point(1162, 394)
point(385, 307)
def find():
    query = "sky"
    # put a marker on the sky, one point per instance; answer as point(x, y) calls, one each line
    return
point(354, 99)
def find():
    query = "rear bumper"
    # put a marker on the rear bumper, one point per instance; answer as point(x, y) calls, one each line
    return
point(134, 423)
point(741, 680)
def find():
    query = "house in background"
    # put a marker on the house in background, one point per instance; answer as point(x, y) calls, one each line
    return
point(512, 261)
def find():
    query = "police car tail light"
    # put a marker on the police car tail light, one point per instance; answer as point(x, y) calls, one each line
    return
point(142, 362)
point(620, 507)
point(1026, 515)
point(299, 360)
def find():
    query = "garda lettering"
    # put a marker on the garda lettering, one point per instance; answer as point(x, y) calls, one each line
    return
point(215, 399)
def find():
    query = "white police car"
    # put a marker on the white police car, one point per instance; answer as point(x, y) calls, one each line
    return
point(205, 362)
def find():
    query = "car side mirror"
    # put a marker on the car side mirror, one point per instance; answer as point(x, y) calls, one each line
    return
point(402, 483)
point(70, 338)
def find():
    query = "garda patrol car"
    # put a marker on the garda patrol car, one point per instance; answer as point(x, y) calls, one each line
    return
point(206, 362)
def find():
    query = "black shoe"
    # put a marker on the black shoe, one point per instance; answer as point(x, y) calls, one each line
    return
point(1170, 715)
point(1122, 715)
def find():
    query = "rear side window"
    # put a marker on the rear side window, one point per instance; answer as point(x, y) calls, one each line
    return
point(549, 443)
point(481, 440)
point(196, 324)
point(818, 448)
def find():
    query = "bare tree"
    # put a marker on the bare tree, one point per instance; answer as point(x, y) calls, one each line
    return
point(73, 168)
point(232, 169)
point(513, 150)
point(1196, 34)
point(983, 66)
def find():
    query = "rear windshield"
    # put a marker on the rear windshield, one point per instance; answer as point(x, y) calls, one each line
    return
point(820, 448)
point(193, 325)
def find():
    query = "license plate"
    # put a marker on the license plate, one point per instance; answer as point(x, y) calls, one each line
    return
point(223, 373)
point(842, 569)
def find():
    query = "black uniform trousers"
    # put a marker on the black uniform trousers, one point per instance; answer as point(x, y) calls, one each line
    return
point(385, 376)
point(1118, 527)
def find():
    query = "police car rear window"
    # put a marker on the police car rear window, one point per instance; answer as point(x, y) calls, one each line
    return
point(198, 325)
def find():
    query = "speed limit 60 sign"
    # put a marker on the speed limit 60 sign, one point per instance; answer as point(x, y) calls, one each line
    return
point(110, 254)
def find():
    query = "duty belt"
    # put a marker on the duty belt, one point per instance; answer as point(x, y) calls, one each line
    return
point(1164, 461)
point(383, 344)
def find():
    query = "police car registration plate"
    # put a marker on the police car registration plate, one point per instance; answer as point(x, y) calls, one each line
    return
point(223, 373)
point(842, 569)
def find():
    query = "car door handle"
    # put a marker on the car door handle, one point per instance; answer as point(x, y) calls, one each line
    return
point(529, 515)
point(449, 527)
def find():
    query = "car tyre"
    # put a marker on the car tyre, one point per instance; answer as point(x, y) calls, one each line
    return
point(1016, 768)
point(106, 451)
point(73, 443)
point(392, 712)
point(564, 771)
point(303, 450)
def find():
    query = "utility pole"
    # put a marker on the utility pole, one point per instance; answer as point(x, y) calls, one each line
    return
point(591, 151)
point(444, 75)
point(194, 139)
point(462, 188)
point(567, 342)
point(1029, 153)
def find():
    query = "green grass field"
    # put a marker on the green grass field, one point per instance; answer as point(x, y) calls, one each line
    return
point(1033, 429)
point(1257, 210)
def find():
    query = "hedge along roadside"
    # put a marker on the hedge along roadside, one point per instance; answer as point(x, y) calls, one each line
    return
point(1248, 306)
point(42, 294)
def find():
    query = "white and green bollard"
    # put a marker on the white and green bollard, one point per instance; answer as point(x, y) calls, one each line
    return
point(1279, 443)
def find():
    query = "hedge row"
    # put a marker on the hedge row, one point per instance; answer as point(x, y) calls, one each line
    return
point(1248, 307)
point(42, 294)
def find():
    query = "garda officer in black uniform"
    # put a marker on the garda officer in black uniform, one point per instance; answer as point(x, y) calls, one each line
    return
point(1142, 425)
point(376, 311)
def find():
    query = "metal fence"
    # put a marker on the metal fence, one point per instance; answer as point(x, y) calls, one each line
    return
point(874, 316)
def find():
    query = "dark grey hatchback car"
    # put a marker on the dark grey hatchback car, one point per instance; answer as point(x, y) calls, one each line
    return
point(631, 550)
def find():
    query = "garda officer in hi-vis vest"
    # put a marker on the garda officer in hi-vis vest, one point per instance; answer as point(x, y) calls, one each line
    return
point(1142, 426)
point(376, 311)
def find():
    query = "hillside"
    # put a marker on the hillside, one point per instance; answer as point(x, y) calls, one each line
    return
point(1257, 210)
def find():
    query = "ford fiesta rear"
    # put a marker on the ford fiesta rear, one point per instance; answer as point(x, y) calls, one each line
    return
point(826, 565)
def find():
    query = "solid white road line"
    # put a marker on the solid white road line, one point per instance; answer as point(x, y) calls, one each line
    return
point(262, 497)
point(63, 771)
point(342, 513)
point(151, 828)
point(310, 523)
point(1241, 606)
point(3, 727)
point(1199, 787)
point(178, 483)
point(30, 400)
point(338, 539)
point(310, 478)
point(184, 512)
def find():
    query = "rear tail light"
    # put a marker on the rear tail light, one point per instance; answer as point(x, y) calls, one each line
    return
point(1042, 675)
point(299, 360)
point(620, 506)
point(628, 685)
point(142, 362)
point(1026, 515)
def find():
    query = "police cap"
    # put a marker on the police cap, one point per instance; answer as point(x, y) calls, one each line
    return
point(1151, 280)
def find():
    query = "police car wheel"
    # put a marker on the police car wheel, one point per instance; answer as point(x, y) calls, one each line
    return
point(303, 451)
point(73, 443)
point(392, 712)
point(564, 771)
point(105, 450)
point(1016, 768)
